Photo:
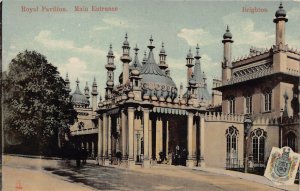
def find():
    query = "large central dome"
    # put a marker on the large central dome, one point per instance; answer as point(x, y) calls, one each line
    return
point(155, 82)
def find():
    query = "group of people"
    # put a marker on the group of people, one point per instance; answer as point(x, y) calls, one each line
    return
point(81, 154)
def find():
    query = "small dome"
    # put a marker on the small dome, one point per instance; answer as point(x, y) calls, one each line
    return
point(189, 55)
point(227, 34)
point(135, 72)
point(126, 43)
point(78, 99)
point(109, 83)
point(280, 12)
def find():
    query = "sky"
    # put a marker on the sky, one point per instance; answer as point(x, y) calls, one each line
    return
point(78, 42)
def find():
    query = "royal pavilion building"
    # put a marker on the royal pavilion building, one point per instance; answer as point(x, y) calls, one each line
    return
point(144, 119)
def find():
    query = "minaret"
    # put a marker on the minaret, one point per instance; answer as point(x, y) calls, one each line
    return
point(87, 91)
point(162, 58)
point(68, 89)
point(192, 94)
point(189, 65)
point(94, 95)
point(126, 59)
point(145, 58)
point(110, 67)
point(135, 81)
point(226, 64)
point(280, 20)
point(197, 69)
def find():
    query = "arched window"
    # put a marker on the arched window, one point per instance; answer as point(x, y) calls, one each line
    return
point(291, 140)
point(258, 137)
point(231, 105)
point(268, 100)
point(232, 143)
point(80, 125)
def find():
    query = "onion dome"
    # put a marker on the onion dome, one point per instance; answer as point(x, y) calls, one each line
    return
point(87, 90)
point(189, 55)
point(280, 12)
point(126, 43)
point(192, 81)
point(227, 34)
point(78, 99)
point(154, 80)
point(162, 50)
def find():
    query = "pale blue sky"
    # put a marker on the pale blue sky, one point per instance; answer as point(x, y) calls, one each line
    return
point(77, 43)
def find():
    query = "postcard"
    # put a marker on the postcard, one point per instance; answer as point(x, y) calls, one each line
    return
point(150, 95)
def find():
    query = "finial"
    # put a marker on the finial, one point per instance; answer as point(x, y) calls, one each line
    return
point(197, 49)
point(151, 46)
point(77, 81)
point(126, 36)
point(162, 45)
point(227, 30)
point(136, 49)
point(110, 46)
point(100, 97)
point(151, 39)
point(86, 84)
point(145, 54)
point(280, 5)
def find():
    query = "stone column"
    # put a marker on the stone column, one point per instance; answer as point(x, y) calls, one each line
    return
point(167, 140)
point(190, 157)
point(93, 150)
point(130, 136)
point(100, 140)
point(146, 163)
point(158, 138)
point(202, 141)
point(109, 138)
point(105, 131)
point(150, 140)
point(123, 134)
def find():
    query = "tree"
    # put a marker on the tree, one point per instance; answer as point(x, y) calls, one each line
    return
point(37, 106)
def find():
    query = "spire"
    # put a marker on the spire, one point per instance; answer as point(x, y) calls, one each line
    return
point(86, 91)
point(280, 12)
point(145, 58)
point(227, 34)
point(151, 46)
point(94, 88)
point(67, 83)
point(162, 58)
point(94, 83)
point(136, 62)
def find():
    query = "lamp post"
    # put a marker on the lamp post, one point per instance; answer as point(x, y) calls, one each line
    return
point(247, 127)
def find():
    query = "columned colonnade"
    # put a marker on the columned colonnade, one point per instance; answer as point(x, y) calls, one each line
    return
point(130, 146)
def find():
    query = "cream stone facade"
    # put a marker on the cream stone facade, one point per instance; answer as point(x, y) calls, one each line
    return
point(145, 120)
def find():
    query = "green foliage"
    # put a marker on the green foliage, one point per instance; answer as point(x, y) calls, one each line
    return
point(37, 104)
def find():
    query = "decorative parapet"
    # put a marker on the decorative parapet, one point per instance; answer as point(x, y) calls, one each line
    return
point(260, 120)
point(255, 55)
point(223, 117)
point(293, 72)
point(251, 76)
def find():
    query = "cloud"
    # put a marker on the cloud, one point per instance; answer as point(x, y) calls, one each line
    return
point(45, 38)
point(247, 34)
point(116, 22)
point(100, 28)
point(294, 14)
point(194, 36)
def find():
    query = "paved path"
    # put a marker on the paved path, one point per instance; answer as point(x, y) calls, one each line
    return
point(55, 177)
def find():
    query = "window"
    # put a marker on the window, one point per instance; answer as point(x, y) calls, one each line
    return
point(248, 104)
point(258, 145)
point(291, 140)
point(232, 144)
point(268, 100)
point(231, 105)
